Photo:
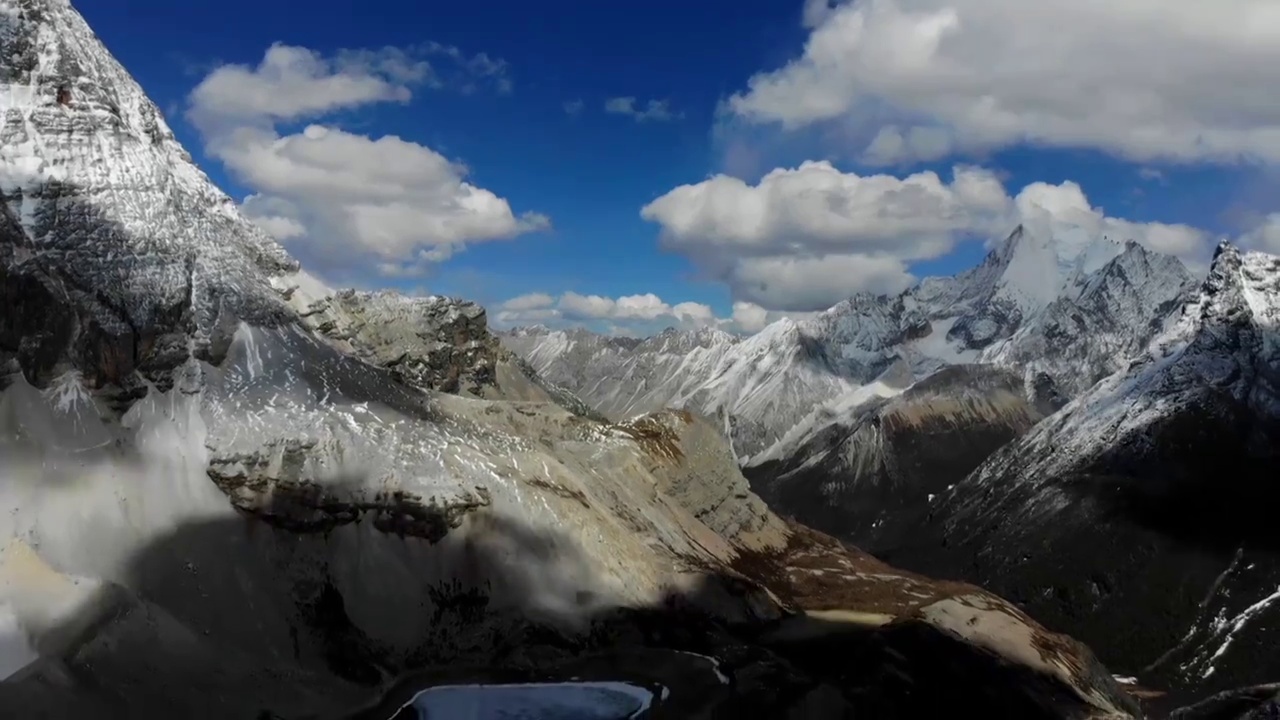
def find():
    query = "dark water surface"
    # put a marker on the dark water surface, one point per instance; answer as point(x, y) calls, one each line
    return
point(529, 701)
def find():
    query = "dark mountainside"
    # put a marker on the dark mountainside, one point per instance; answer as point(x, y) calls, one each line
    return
point(1141, 517)
point(230, 491)
point(872, 480)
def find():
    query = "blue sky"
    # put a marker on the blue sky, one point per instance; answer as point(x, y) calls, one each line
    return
point(517, 93)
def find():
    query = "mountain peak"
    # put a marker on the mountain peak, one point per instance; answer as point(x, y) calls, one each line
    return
point(1226, 250)
point(1243, 282)
point(103, 199)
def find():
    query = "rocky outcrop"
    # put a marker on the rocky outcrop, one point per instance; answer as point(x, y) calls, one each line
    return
point(273, 486)
point(429, 342)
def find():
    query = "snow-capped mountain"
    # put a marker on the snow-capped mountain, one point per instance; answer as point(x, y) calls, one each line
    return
point(231, 492)
point(1151, 494)
point(1062, 307)
point(843, 466)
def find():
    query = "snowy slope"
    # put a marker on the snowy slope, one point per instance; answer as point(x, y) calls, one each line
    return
point(623, 376)
point(1065, 307)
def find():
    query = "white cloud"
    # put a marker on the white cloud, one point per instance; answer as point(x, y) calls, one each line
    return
point(803, 239)
point(574, 107)
point(275, 215)
point(1176, 80)
point(751, 318)
point(475, 69)
point(1264, 237)
point(531, 301)
point(632, 313)
point(398, 205)
point(657, 110)
point(290, 82)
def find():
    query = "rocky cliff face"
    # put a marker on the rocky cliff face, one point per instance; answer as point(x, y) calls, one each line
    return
point(232, 492)
point(1170, 465)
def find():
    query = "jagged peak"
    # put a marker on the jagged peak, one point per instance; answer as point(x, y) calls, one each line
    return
point(1225, 254)
point(1136, 254)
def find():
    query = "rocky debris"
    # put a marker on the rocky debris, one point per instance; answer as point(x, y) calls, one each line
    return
point(517, 380)
point(887, 634)
point(695, 468)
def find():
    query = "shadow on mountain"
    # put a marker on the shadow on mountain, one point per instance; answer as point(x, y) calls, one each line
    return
point(871, 478)
point(1163, 553)
point(242, 619)
point(1206, 476)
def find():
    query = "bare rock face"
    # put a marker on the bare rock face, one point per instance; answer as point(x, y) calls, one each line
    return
point(429, 342)
point(695, 468)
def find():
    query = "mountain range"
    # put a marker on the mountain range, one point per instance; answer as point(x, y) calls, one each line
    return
point(232, 491)
point(1060, 308)
point(1077, 423)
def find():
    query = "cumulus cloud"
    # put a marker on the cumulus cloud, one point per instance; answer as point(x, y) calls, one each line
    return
point(626, 314)
point(751, 318)
point(1182, 80)
point(803, 239)
point(656, 110)
point(1264, 237)
point(397, 204)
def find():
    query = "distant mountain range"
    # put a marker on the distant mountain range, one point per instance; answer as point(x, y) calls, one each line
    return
point(1061, 309)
